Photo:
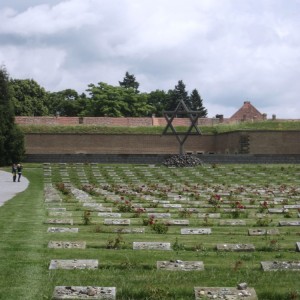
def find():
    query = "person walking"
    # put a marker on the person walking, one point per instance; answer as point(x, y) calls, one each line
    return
point(14, 172)
point(19, 170)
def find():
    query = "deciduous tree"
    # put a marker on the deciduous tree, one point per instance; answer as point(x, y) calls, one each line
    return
point(11, 138)
point(29, 98)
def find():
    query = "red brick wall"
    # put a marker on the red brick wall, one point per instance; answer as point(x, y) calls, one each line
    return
point(264, 142)
point(107, 121)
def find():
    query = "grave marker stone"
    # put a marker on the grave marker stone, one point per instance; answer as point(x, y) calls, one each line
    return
point(258, 231)
point(151, 246)
point(62, 230)
point(235, 247)
point(116, 222)
point(195, 230)
point(59, 221)
point(179, 265)
point(280, 265)
point(230, 293)
point(84, 292)
point(66, 245)
point(69, 264)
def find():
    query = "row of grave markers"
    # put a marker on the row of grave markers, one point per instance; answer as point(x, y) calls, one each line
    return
point(52, 195)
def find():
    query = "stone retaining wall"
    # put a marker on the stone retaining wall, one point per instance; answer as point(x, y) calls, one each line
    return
point(157, 159)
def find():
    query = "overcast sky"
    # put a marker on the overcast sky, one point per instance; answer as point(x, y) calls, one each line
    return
point(231, 51)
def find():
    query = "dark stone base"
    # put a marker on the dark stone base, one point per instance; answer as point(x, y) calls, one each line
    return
point(159, 158)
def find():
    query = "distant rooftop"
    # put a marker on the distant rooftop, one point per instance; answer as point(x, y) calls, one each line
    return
point(246, 113)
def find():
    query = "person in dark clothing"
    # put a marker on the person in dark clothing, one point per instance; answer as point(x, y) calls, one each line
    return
point(14, 172)
point(19, 170)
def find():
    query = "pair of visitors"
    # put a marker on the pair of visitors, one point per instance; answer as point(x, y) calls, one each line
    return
point(14, 172)
point(17, 169)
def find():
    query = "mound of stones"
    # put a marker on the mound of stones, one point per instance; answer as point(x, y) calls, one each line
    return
point(182, 160)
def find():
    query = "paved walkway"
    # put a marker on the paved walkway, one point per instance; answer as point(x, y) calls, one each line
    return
point(8, 188)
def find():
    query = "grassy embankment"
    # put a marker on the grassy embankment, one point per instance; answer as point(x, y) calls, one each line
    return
point(25, 258)
point(220, 128)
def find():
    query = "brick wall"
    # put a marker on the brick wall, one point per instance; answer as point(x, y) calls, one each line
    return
point(107, 121)
point(263, 142)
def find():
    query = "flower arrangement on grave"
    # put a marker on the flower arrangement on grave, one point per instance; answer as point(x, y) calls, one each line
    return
point(263, 206)
point(155, 225)
point(138, 211)
point(150, 221)
point(61, 187)
point(125, 206)
point(264, 221)
point(90, 189)
point(238, 207)
point(215, 200)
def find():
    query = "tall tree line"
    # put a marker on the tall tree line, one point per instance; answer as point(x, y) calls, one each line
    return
point(102, 99)
point(11, 138)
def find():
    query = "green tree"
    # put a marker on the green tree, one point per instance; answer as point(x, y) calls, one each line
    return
point(106, 100)
point(176, 95)
point(29, 98)
point(158, 99)
point(111, 101)
point(196, 103)
point(11, 138)
point(129, 81)
point(67, 103)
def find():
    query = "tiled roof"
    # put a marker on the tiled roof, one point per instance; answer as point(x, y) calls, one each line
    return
point(247, 112)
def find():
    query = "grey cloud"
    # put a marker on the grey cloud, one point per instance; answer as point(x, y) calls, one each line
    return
point(230, 50)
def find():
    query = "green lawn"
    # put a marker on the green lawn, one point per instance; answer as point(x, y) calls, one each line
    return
point(25, 257)
point(219, 128)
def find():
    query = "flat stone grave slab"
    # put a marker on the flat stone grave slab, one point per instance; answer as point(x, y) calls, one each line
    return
point(92, 205)
point(295, 206)
point(229, 293)
point(159, 215)
point(116, 222)
point(96, 207)
point(298, 246)
point(56, 209)
point(190, 209)
point(177, 222)
point(277, 210)
point(129, 230)
point(66, 245)
point(109, 215)
point(151, 246)
point(59, 214)
point(209, 215)
point(170, 205)
point(289, 223)
point(161, 201)
point(179, 265)
point(84, 292)
point(232, 222)
point(70, 264)
point(272, 231)
point(62, 230)
point(235, 247)
point(195, 231)
point(59, 221)
point(280, 265)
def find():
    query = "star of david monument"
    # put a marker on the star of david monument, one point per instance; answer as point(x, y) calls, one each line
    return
point(193, 129)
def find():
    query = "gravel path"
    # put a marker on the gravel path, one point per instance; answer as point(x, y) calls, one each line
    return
point(8, 188)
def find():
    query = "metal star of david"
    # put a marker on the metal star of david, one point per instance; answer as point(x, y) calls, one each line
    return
point(182, 110)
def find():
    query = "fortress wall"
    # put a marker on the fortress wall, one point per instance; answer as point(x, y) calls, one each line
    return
point(259, 142)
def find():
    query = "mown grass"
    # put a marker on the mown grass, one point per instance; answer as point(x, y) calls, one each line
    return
point(215, 129)
point(25, 257)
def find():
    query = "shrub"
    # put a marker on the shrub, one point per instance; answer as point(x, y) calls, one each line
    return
point(87, 218)
point(159, 228)
point(115, 243)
